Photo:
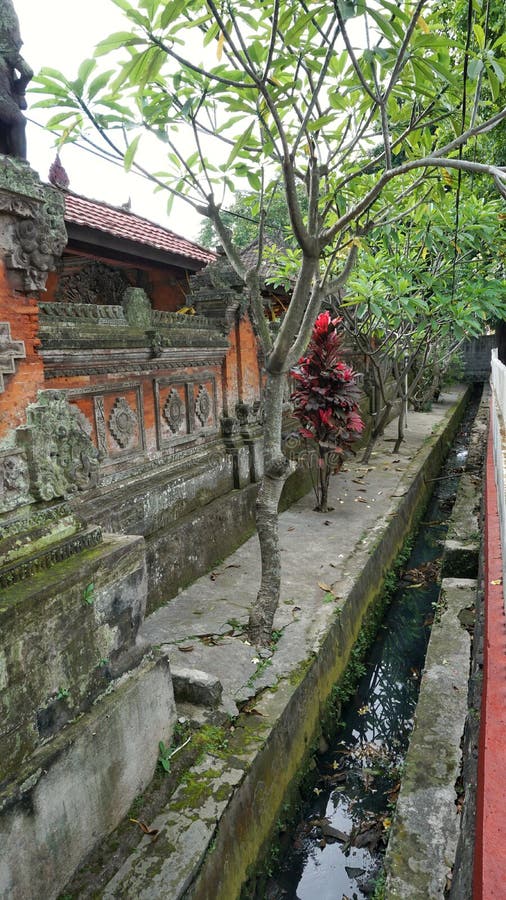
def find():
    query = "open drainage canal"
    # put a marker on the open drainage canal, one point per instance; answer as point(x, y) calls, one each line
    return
point(335, 851)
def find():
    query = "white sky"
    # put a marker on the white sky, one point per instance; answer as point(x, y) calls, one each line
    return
point(60, 34)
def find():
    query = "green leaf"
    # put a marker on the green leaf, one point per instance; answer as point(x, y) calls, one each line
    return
point(130, 153)
point(98, 83)
point(171, 12)
point(170, 203)
point(85, 70)
point(474, 68)
point(116, 41)
point(321, 122)
point(239, 144)
point(479, 35)
point(54, 121)
point(132, 13)
point(498, 70)
point(254, 180)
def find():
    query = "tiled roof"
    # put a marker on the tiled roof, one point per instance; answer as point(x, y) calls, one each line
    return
point(124, 224)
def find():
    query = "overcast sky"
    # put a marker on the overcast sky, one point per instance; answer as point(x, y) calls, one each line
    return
point(60, 34)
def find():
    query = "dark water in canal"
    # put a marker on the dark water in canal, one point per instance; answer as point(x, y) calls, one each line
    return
point(335, 849)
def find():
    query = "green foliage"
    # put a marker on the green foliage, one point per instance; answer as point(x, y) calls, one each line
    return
point(89, 594)
point(164, 756)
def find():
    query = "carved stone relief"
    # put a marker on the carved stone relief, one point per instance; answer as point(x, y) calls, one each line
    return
point(93, 283)
point(97, 313)
point(33, 234)
point(123, 422)
point(174, 411)
point(14, 480)
point(61, 456)
point(203, 405)
point(100, 425)
point(9, 351)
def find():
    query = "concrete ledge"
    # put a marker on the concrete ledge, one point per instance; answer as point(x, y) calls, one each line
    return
point(423, 840)
point(79, 786)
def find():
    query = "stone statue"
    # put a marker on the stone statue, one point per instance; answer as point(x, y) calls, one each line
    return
point(15, 74)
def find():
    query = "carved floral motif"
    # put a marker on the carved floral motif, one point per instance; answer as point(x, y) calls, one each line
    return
point(203, 405)
point(173, 411)
point(122, 422)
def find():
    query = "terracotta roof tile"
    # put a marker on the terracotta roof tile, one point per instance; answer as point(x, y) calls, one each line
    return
point(124, 224)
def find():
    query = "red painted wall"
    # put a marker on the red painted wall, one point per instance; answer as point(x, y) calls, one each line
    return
point(490, 848)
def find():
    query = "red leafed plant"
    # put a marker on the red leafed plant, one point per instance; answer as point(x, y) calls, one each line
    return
point(326, 402)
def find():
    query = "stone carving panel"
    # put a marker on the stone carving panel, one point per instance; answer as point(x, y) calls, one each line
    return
point(95, 283)
point(9, 351)
point(204, 405)
point(119, 424)
point(14, 480)
point(33, 234)
point(123, 423)
point(53, 312)
point(61, 456)
point(174, 411)
point(171, 408)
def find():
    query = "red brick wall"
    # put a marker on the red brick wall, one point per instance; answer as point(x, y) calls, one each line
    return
point(21, 388)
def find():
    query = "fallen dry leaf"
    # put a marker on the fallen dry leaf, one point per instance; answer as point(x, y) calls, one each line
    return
point(187, 649)
point(325, 587)
point(152, 832)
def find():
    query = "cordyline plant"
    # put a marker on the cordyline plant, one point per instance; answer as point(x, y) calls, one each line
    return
point(286, 95)
point(326, 403)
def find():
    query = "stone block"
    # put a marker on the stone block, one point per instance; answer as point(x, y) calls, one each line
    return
point(64, 633)
point(194, 686)
point(77, 788)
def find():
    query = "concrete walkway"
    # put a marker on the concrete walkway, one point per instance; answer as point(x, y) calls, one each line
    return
point(333, 565)
point(321, 556)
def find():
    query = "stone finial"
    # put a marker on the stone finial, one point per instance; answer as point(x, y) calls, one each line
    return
point(15, 73)
point(137, 307)
point(57, 174)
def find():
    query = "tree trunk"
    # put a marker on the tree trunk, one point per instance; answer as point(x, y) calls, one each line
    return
point(276, 471)
point(377, 432)
point(323, 484)
point(400, 427)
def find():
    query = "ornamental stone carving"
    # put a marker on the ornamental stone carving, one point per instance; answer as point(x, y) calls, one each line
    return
point(137, 307)
point(95, 283)
point(203, 405)
point(33, 235)
point(173, 411)
point(9, 351)
point(14, 480)
point(122, 422)
point(61, 456)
